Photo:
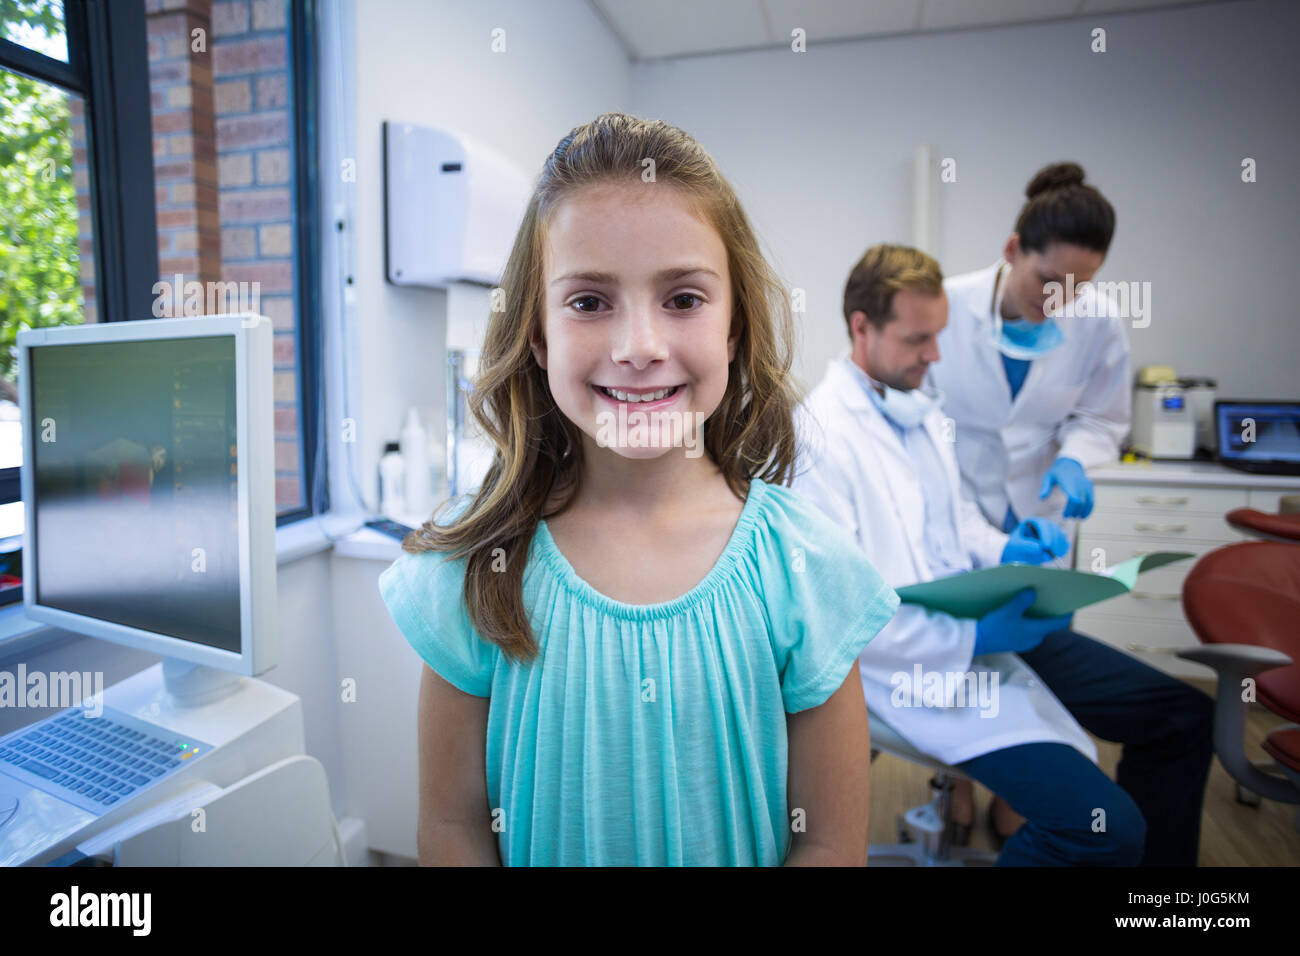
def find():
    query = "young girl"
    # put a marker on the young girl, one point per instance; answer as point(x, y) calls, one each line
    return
point(640, 645)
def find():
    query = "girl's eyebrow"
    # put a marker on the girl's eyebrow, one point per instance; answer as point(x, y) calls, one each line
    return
point(664, 275)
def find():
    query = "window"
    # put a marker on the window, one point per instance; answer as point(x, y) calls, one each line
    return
point(189, 160)
point(231, 100)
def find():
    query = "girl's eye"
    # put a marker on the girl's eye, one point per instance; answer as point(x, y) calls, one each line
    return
point(586, 298)
point(686, 295)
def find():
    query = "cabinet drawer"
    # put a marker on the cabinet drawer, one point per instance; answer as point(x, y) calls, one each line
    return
point(1270, 499)
point(1116, 550)
point(1134, 634)
point(1168, 499)
point(1168, 529)
point(1146, 602)
point(1151, 642)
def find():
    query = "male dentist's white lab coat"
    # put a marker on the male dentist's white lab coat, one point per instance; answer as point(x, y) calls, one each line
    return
point(1075, 402)
point(853, 466)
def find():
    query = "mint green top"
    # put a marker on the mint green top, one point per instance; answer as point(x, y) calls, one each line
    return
point(654, 734)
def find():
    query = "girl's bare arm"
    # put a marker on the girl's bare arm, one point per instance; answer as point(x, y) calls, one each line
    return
point(830, 778)
point(455, 821)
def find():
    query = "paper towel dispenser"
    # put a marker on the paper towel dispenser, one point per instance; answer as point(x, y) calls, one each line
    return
point(452, 207)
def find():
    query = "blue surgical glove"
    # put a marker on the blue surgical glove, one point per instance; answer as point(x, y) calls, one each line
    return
point(1007, 629)
point(1034, 541)
point(1068, 473)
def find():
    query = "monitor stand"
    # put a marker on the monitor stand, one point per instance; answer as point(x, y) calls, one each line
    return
point(194, 685)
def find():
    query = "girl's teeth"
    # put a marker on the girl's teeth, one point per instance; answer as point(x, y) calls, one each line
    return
point(634, 397)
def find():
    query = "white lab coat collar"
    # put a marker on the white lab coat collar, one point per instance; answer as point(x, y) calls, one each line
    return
point(979, 298)
point(847, 379)
point(850, 383)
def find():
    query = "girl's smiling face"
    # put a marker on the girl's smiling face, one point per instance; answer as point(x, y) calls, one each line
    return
point(636, 300)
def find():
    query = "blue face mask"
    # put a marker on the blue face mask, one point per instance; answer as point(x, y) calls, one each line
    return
point(1020, 338)
point(904, 409)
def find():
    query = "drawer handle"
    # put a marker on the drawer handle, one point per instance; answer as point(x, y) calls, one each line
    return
point(1153, 500)
point(1160, 528)
point(1148, 596)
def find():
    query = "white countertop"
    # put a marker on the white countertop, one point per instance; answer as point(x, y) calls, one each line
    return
point(368, 543)
point(1203, 473)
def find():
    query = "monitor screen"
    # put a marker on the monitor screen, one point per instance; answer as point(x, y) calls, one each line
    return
point(134, 484)
point(1259, 431)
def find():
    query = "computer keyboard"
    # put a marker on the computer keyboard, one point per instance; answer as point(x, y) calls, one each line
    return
point(95, 762)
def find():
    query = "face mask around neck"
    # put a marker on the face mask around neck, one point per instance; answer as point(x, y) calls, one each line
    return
point(905, 409)
point(1021, 338)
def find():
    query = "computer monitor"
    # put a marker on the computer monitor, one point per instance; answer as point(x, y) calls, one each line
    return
point(148, 483)
point(1259, 436)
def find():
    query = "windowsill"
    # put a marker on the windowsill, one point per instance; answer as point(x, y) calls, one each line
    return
point(300, 539)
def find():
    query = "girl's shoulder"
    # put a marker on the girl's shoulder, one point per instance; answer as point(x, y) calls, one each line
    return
point(825, 599)
point(789, 512)
point(430, 574)
point(792, 531)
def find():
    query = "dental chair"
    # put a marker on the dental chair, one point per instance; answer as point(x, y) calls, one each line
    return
point(1282, 526)
point(1243, 602)
point(923, 830)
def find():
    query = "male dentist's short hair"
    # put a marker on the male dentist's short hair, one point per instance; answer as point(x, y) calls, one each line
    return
point(883, 271)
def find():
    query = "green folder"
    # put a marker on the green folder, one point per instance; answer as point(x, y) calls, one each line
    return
point(1059, 591)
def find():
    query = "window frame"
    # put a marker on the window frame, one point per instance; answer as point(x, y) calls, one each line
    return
point(303, 33)
point(108, 67)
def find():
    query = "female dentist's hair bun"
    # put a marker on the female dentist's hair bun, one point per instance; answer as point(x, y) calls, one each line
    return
point(1055, 176)
point(1060, 208)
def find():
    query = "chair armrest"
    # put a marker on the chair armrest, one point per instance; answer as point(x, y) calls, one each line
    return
point(1233, 663)
point(1237, 659)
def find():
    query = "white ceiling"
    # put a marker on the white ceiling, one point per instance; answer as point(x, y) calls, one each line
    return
point(664, 28)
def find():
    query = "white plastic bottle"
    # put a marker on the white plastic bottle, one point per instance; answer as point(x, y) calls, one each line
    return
point(415, 451)
point(392, 471)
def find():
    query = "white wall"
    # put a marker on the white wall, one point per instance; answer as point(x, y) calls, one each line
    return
point(819, 147)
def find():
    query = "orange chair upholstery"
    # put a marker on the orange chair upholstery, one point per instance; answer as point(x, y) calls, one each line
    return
point(1261, 524)
point(1243, 601)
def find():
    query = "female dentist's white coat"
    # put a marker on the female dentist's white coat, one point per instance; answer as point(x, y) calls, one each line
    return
point(1076, 401)
point(853, 466)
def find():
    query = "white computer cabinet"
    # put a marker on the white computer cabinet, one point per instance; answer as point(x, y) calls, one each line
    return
point(1162, 506)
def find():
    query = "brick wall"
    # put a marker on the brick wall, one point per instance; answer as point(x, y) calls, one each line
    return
point(223, 166)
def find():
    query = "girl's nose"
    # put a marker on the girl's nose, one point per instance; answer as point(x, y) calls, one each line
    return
point(639, 337)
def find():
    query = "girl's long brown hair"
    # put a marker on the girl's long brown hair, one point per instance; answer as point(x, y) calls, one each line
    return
point(538, 451)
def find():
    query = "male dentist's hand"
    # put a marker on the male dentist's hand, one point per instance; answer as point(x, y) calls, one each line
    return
point(1007, 629)
point(1068, 473)
point(1034, 541)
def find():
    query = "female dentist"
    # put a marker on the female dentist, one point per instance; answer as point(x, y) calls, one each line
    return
point(1035, 379)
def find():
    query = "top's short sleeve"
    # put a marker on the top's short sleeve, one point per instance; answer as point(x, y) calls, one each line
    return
point(424, 594)
point(827, 600)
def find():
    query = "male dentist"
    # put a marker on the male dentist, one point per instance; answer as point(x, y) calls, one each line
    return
point(877, 456)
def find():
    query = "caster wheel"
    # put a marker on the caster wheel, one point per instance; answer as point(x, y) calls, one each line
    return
point(1247, 797)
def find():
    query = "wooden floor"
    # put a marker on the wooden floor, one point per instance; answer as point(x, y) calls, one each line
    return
point(1231, 834)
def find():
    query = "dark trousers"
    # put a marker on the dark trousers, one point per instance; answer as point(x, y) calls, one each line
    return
point(1074, 814)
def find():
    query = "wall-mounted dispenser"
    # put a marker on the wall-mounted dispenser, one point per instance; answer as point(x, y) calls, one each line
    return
point(453, 206)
